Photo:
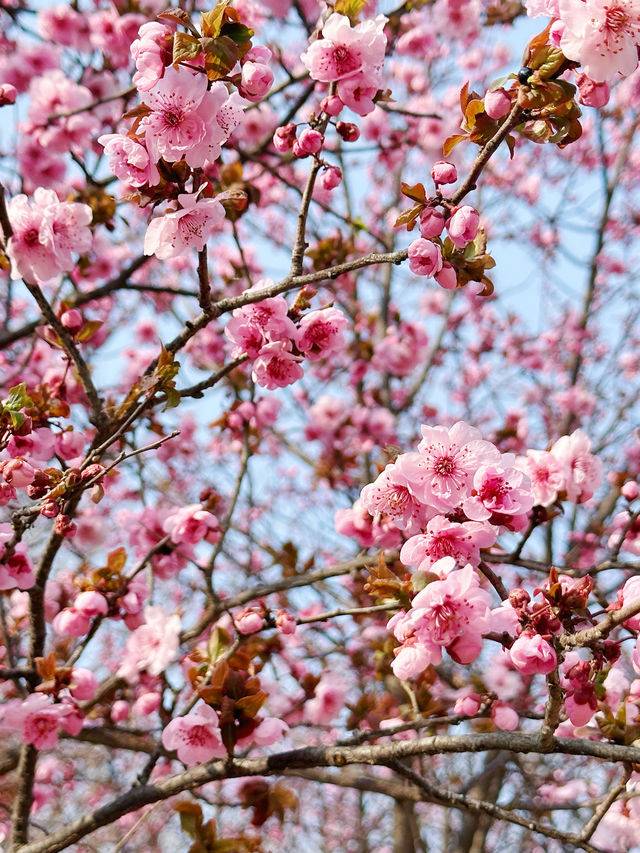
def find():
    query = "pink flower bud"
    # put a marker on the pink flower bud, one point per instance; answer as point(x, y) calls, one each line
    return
point(248, 622)
point(467, 706)
point(285, 623)
point(592, 94)
point(630, 490)
point(348, 131)
point(8, 94)
point(531, 654)
point(497, 104)
point(431, 223)
point(71, 319)
point(83, 684)
point(256, 80)
point(18, 472)
point(258, 53)
point(504, 716)
point(425, 257)
point(463, 225)
point(284, 137)
point(91, 603)
point(556, 32)
point(444, 173)
point(310, 141)
point(331, 105)
point(71, 623)
point(330, 178)
point(119, 711)
point(146, 704)
point(447, 278)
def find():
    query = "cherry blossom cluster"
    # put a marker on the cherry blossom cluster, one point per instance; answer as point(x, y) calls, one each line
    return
point(461, 221)
point(351, 57)
point(46, 235)
point(452, 498)
point(601, 36)
point(265, 332)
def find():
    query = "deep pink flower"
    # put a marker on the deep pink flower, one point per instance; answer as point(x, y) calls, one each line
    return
point(276, 366)
point(499, 491)
point(320, 333)
point(252, 326)
point(431, 223)
point(425, 257)
point(196, 737)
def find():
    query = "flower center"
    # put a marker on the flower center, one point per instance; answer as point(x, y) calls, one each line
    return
point(616, 18)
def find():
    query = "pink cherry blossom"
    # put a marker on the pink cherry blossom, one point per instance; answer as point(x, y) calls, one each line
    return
point(532, 654)
point(187, 228)
point(344, 51)
point(187, 119)
point(328, 700)
point(320, 333)
point(452, 613)
point(447, 462)
point(196, 737)
point(392, 494)
point(463, 225)
point(129, 160)
point(37, 719)
point(601, 35)
point(150, 52)
point(444, 538)
point(546, 474)
point(152, 646)
point(496, 492)
point(190, 524)
point(425, 257)
point(583, 470)
point(276, 366)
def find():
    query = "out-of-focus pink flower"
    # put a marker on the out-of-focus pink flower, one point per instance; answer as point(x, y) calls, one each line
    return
point(83, 684)
point(37, 719)
point(190, 524)
point(583, 470)
point(328, 700)
point(152, 646)
point(504, 716)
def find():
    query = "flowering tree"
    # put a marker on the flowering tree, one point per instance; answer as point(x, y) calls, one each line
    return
point(318, 465)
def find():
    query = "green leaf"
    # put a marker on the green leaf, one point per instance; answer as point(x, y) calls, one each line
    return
point(350, 8)
point(238, 32)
